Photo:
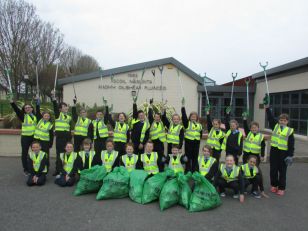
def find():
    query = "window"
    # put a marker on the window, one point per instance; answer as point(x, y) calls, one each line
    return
point(285, 99)
point(295, 98)
point(304, 97)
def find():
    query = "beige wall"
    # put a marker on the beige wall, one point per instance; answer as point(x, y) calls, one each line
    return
point(88, 91)
point(286, 83)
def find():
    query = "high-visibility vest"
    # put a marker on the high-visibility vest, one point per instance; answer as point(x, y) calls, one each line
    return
point(102, 129)
point(62, 123)
point(82, 155)
point(233, 175)
point(120, 132)
point(213, 139)
point(146, 126)
point(224, 143)
point(280, 138)
point(193, 131)
point(130, 161)
point(175, 164)
point(68, 160)
point(42, 130)
point(252, 143)
point(204, 168)
point(150, 164)
point(37, 159)
point(28, 125)
point(108, 161)
point(246, 171)
point(173, 136)
point(81, 127)
point(158, 131)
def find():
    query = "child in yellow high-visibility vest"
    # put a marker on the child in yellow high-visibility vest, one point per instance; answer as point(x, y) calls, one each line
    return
point(129, 160)
point(149, 160)
point(110, 157)
point(207, 165)
point(176, 160)
point(87, 158)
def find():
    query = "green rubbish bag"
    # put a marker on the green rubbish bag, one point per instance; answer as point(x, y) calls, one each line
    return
point(185, 190)
point(204, 196)
point(91, 180)
point(170, 194)
point(154, 185)
point(136, 182)
point(115, 184)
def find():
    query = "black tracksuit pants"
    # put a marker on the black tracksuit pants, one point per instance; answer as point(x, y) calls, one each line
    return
point(255, 182)
point(25, 145)
point(40, 181)
point(223, 184)
point(278, 168)
point(78, 142)
point(120, 148)
point(100, 145)
point(159, 148)
point(62, 182)
point(192, 153)
point(138, 152)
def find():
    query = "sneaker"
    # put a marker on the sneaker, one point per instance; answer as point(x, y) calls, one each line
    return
point(274, 189)
point(256, 194)
point(58, 176)
point(26, 173)
point(280, 192)
point(235, 196)
point(223, 194)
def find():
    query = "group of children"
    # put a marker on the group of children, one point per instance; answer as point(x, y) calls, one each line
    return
point(141, 146)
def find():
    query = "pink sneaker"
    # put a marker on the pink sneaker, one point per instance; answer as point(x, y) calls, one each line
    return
point(274, 189)
point(280, 192)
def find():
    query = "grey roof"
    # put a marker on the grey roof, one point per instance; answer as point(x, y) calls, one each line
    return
point(283, 68)
point(138, 66)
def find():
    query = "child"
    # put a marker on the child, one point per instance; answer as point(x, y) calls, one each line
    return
point(157, 135)
point(252, 176)
point(109, 157)
point(215, 134)
point(100, 131)
point(129, 160)
point(230, 176)
point(62, 129)
point(37, 165)
point(207, 165)
point(83, 126)
point(193, 134)
point(27, 116)
point(120, 131)
point(233, 141)
point(149, 159)
point(254, 143)
point(68, 167)
point(282, 150)
point(86, 157)
point(176, 160)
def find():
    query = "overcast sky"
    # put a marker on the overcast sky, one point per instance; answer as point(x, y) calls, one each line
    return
point(217, 37)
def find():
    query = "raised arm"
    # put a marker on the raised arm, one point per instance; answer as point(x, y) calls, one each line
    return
point(165, 119)
point(38, 110)
point(135, 111)
point(108, 118)
point(56, 108)
point(227, 121)
point(271, 120)
point(246, 128)
point(150, 116)
point(184, 117)
point(20, 114)
point(74, 114)
point(209, 122)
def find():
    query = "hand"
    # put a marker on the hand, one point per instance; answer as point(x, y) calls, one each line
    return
point(183, 102)
point(264, 194)
point(262, 159)
point(288, 160)
point(140, 146)
point(10, 97)
point(67, 178)
point(266, 100)
point(242, 198)
point(151, 101)
point(245, 114)
point(135, 99)
point(207, 109)
point(104, 102)
point(75, 100)
point(163, 159)
point(53, 95)
point(228, 109)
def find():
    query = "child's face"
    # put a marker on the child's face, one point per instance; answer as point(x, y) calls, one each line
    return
point(121, 118)
point(83, 114)
point(99, 115)
point(46, 117)
point(157, 118)
point(283, 122)
point(69, 148)
point(36, 148)
point(141, 116)
point(175, 151)
point(129, 149)
point(64, 109)
point(149, 148)
point(28, 109)
point(233, 126)
point(193, 118)
point(176, 119)
point(254, 129)
point(252, 162)
point(109, 146)
point(86, 147)
point(216, 124)
point(206, 152)
point(229, 161)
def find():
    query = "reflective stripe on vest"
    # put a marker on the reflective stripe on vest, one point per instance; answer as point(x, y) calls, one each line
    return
point(213, 139)
point(246, 170)
point(37, 159)
point(42, 130)
point(68, 161)
point(175, 164)
point(62, 123)
point(224, 143)
point(158, 132)
point(130, 163)
point(233, 175)
point(82, 155)
point(81, 127)
point(102, 129)
point(204, 168)
point(108, 161)
point(193, 131)
point(280, 138)
point(252, 143)
point(173, 136)
point(150, 165)
point(28, 126)
point(120, 132)
point(145, 127)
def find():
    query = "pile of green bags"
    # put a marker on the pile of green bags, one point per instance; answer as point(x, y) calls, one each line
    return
point(136, 183)
point(185, 190)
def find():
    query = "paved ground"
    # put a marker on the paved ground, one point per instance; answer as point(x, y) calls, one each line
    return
point(53, 208)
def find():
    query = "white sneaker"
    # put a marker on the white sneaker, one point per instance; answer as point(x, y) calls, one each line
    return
point(58, 176)
point(235, 196)
point(223, 194)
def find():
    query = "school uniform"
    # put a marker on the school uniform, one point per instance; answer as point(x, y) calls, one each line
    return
point(176, 162)
point(193, 135)
point(175, 134)
point(207, 167)
point(28, 124)
point(109, 159)
point(149, 162)
point(129, 161)
point(252, 176)
point(254, 144)
point(87, 159)
point(83, 129)
point(282, 146)
point(68, 167)
point(215, 138)
point(37, 166)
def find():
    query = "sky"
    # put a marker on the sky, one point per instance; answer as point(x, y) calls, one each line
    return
point(213, 36)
